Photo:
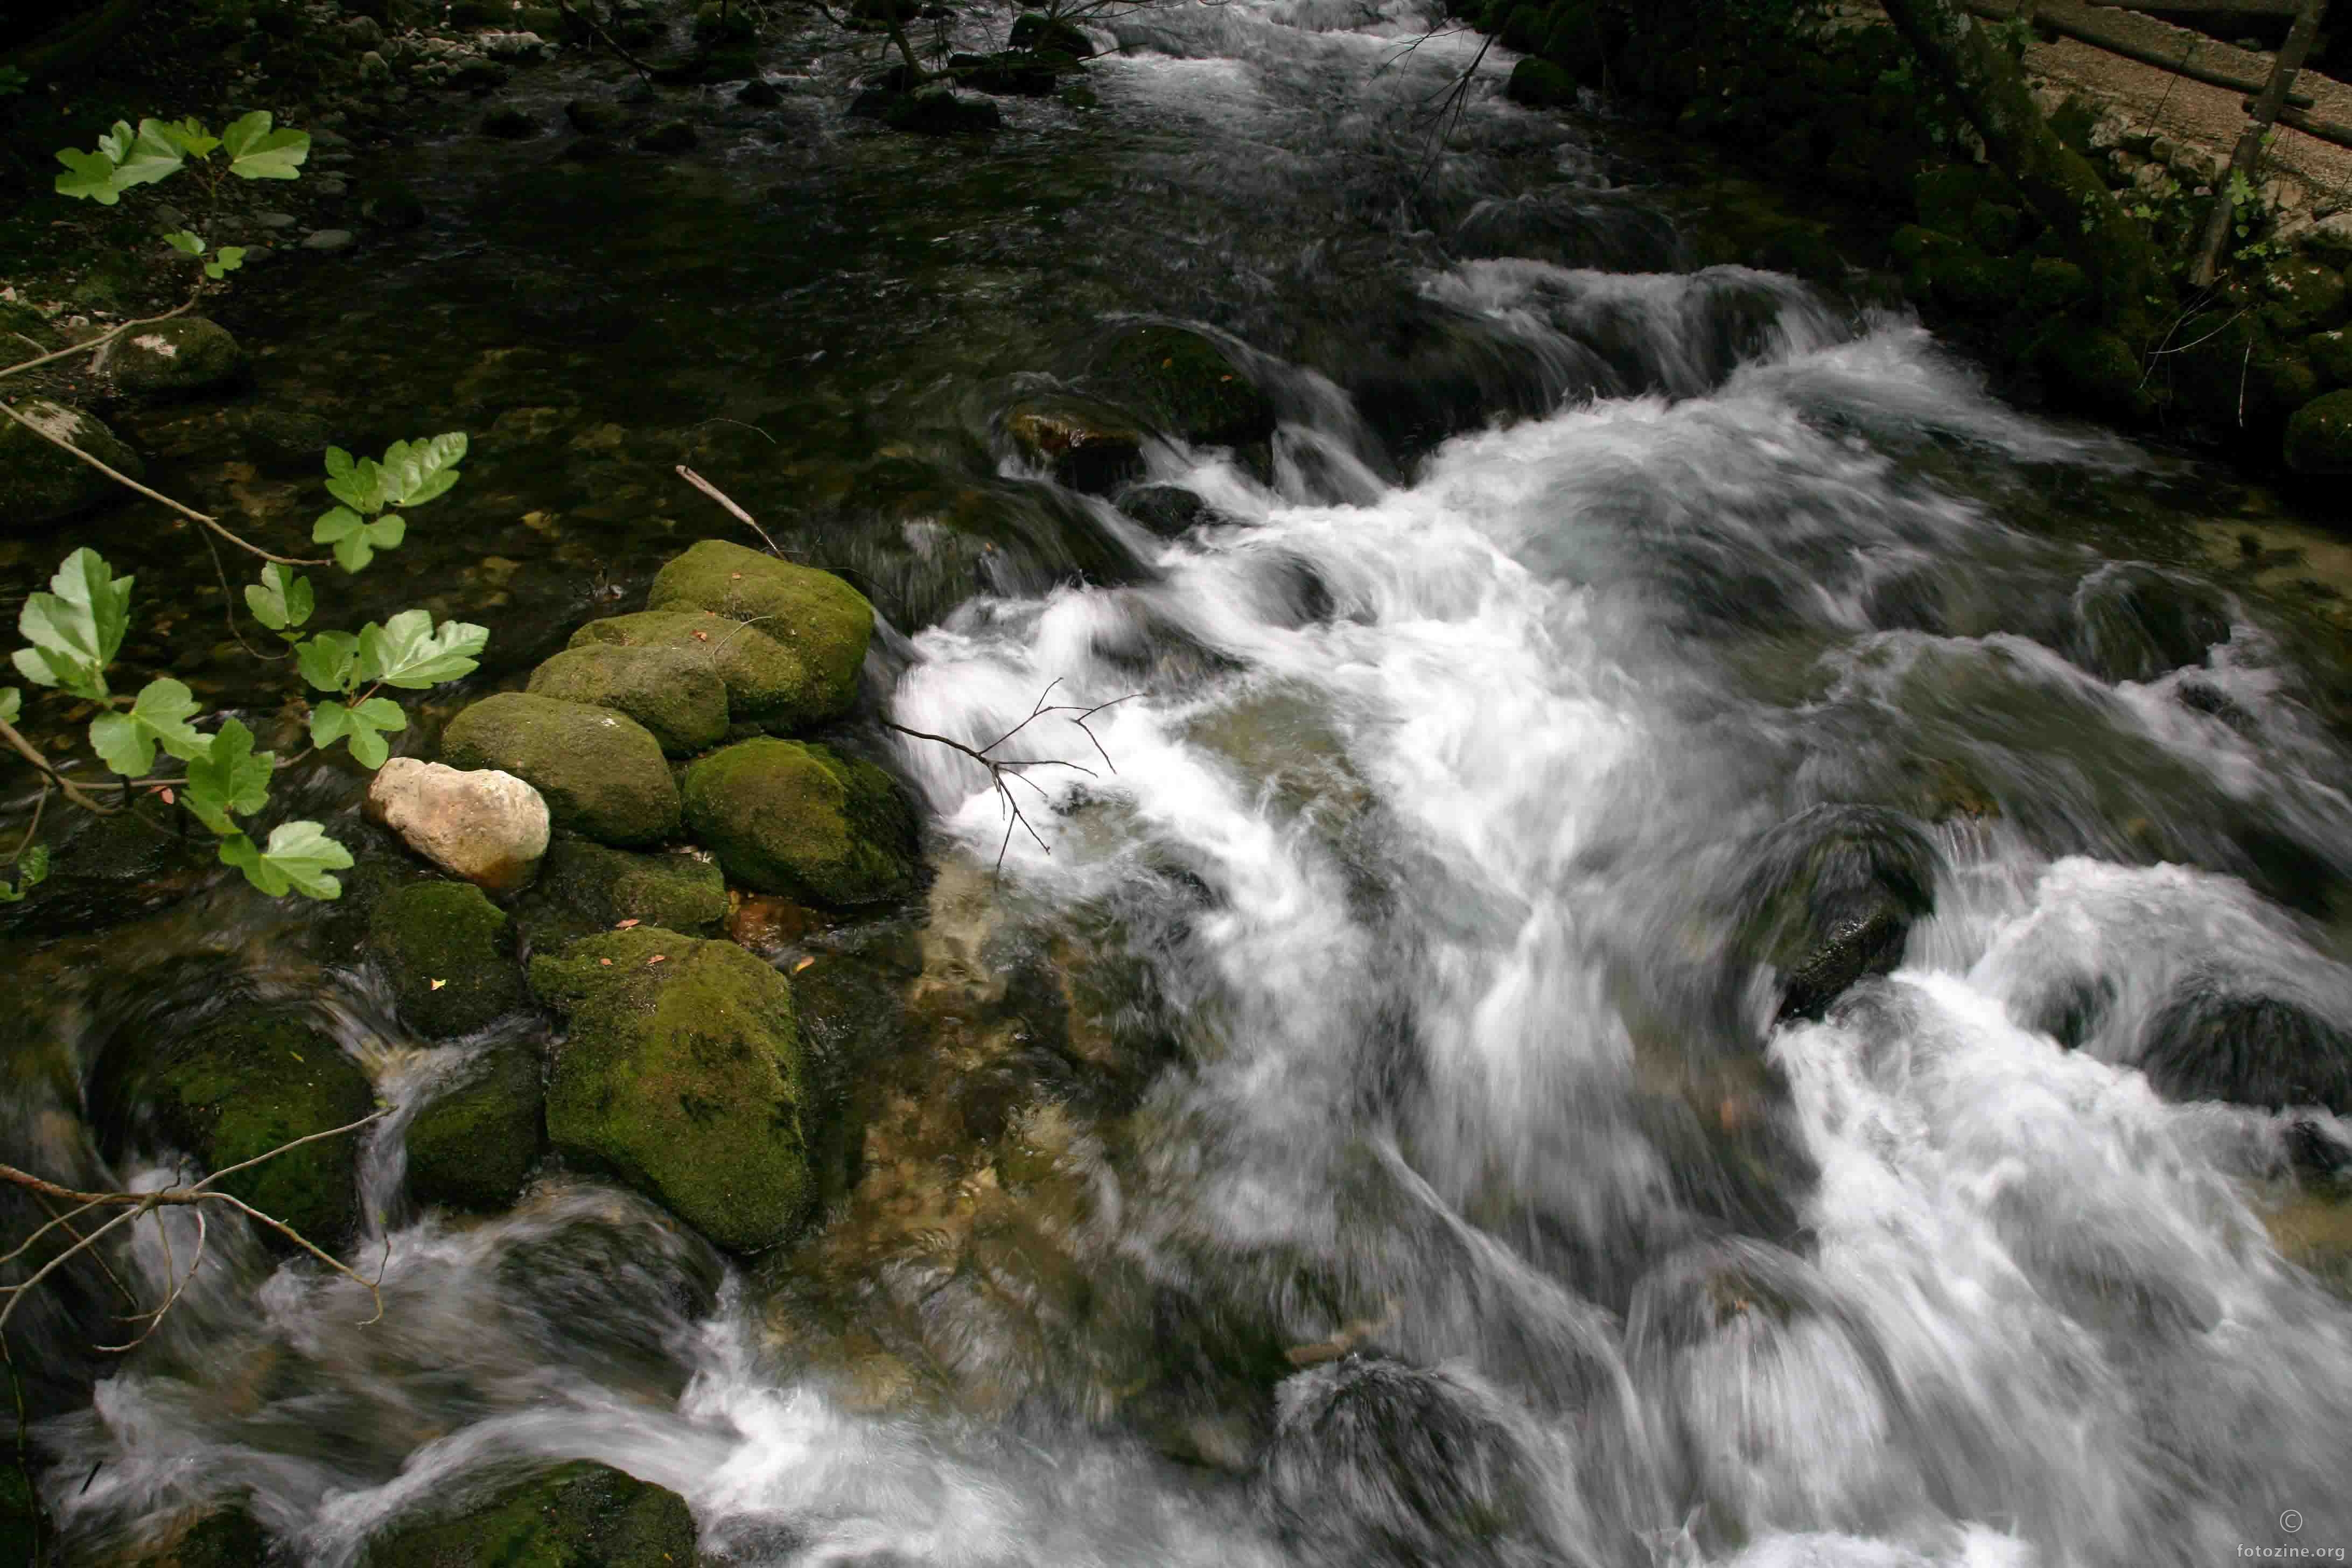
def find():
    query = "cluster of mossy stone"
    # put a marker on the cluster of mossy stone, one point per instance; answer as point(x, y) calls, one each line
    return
point(2263, 367)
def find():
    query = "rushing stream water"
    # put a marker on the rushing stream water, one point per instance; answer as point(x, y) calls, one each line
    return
point(1411, 976)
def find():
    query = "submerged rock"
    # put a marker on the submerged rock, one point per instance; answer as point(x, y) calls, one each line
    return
point(1833, 897)
point(186, 355)
point(675, 694)
point(473, 1147)
point(938, 112)
point(1167, 510)
point(1050, 36)
point(485, 826)
point(449, 953)
point(601, 775)
point(1185, 384)
point(582, 1516)
point(1374, 1462)
point(253, 1081)
point(2136, 623)
point(41, 484)
point(2213, 1041)
point(821, 622)
point(1083, 446)
point(787, 817)
point(682, 1074)
point(2319, 436)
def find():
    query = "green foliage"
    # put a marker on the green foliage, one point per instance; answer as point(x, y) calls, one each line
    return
point(128, 157)
point(13, 81)
point(299, 858)
point(126, 743)
point(77, 628)
point(412, 473)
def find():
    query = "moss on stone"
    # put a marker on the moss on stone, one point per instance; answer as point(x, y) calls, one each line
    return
point(2330, 353)
point(603, 775)
point(40, 484)
point(584, 886)
point(250, 1083)
point(175, 358)
point(473, 1147)
point(1540, 84)
point(681, 1076)
point(675, 694)
point(1185, 384)
point(787, 817)
point(2301, 297)
point(766, 682)
point(449, 954)
point(2319, 436)
point(821, 622)
point(585, 1515)
point(2096, 370)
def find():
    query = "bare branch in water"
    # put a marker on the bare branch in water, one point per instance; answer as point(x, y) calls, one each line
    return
point(1004, 771)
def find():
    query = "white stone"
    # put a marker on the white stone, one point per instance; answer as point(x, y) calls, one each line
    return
point(485, 826)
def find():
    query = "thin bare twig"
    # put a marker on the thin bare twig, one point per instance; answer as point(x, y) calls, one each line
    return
point(721, 497)
point(42, 765)
point(127, 482)
point(95, 343)
point(1002, 772)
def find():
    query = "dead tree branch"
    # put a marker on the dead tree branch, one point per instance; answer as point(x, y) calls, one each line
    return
point(1004, 772)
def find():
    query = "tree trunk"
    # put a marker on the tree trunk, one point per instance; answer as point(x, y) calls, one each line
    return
point(2064, 191)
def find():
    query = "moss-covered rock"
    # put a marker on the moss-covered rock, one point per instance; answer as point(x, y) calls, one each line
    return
point(2054, 286)
point(473, 1147)
point(1540, 84)
point(219, 1535)
point(2319, 436)
point(2330, 353)
point(175, 358)
point(40, 483)
point(1946, 196)
point(676, 695)
point(766, 682)
point(785, 817)
point(2094, 370)
point(1576, 42)
point(586, 886)
point(1184, 383)
point(249, 1083)
point(2234, 376)
point(938, 113)
point(682, 1074)
point(450, 955)
point(821, 622)
point(602, 774)
point(582, 1516)
point(1045, 36)
point(2301, 297)
point(1974, 284)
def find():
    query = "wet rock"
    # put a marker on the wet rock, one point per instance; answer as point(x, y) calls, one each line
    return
point(388, 204)
point(510, 124)
point(682, 1074)
point(216, 1535)
point(590, 887)
point(2212, 1040)
point(2319, 436)
point(253, 1081)
point(480, 76)
point(1167, 510)
point(759, 93)
point(449, 954)
point(718, 24)
point(675, 694)
point(328, 239)
point(1540, 84)
point(1011, 71)
point(601, 775)
point(766, 682)
point(2136, 623)
point(2330, 353)
point(822, 624)
point(105, 869)
point(1185, 384)
point(1374, 1462)
point(1084, 445)
point(582, 1516)
point(487, 827)
point(473, 1146)
point(362, 34)
point(40, 484)
point(286, 439)
point(173, 358)
point(787, 817)
point(521, 49)
point(1832, 899)
point(1042, 35)
point(597, 117)
point(374, 70)
point(671, 136)
point(940, 113)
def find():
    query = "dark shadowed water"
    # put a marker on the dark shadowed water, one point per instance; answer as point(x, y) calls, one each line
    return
point(1380, 1121)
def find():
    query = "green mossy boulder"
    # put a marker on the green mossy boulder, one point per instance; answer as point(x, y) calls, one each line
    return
point(1184, 383)
point(221, 1535)
point(1969, 281)
point(2319, 436)
point(2232, 377)
point(2094, 372)
point(790, 818)
point(1044, 36)
point(1946, 196)
point(450, 955)
point(767, 683)
point(585, 887)
point(2301, 297)
point(602, 774)
point(1574, 42)
point(174, 359)
point(820, 621)
point(2330, 353)
point(2054, 288)
point(1540, 84)
point(473, 1147)
point(675, 694)
point(682, 1074)
point(585, 1515)
point(250, 1083)
point(40, 484)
